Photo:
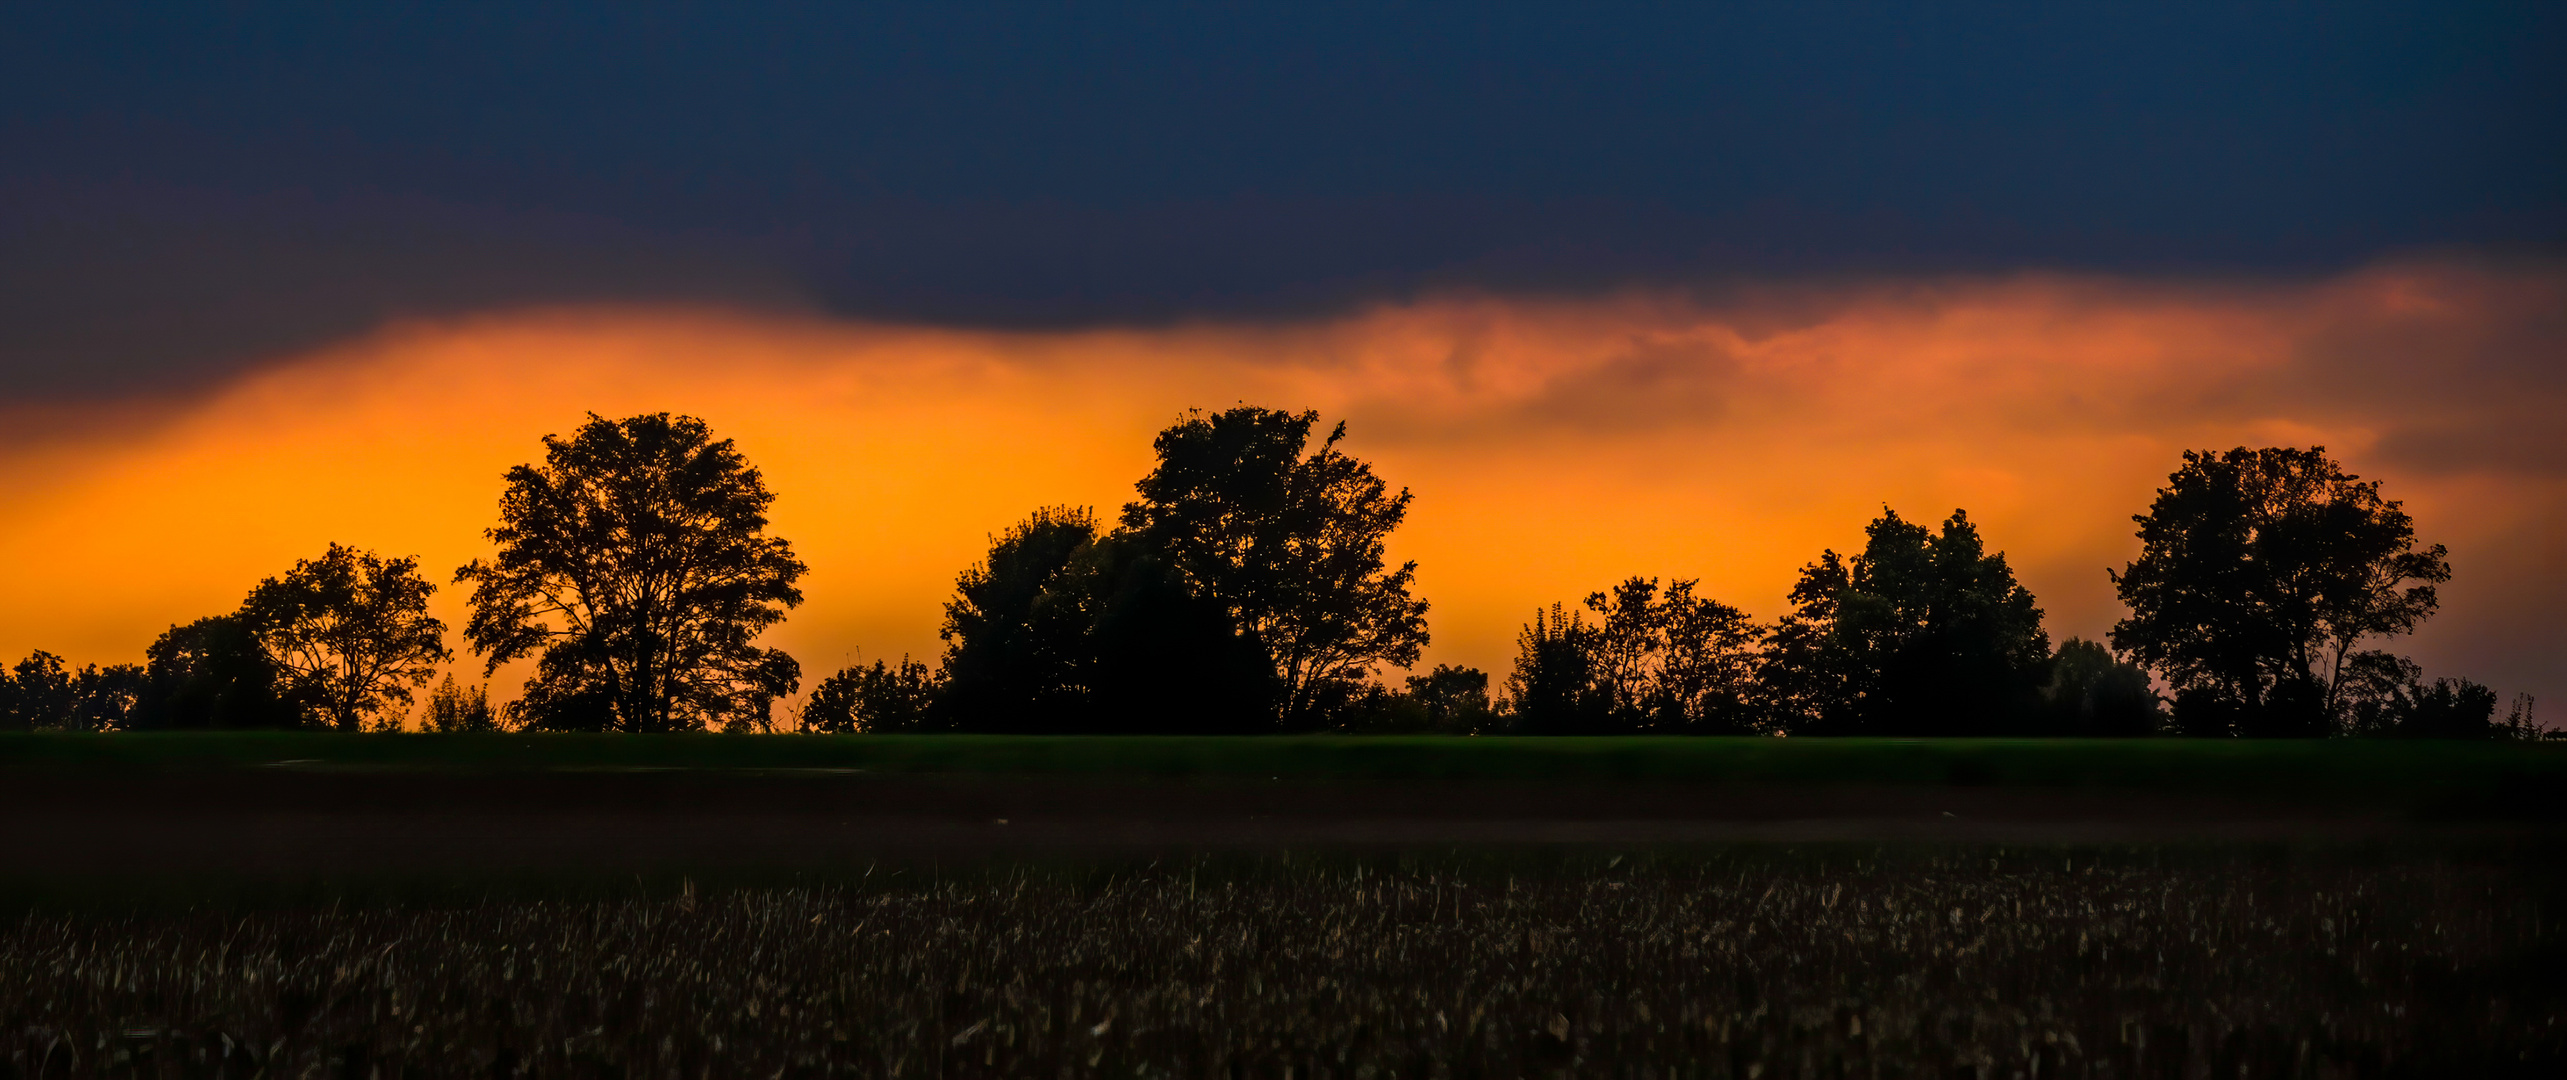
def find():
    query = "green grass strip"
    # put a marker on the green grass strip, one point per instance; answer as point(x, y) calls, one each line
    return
point(2343, 766)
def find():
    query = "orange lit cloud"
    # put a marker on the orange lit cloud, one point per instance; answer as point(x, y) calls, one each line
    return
point(1554, 445)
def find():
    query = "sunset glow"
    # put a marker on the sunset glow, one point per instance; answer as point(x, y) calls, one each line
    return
point(1554, 445)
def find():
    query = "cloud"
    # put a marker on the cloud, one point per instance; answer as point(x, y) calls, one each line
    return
point(119, 290)
point(186, 197)
point(1555, 444)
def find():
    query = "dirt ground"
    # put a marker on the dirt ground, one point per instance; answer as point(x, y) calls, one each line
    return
point(294, 818)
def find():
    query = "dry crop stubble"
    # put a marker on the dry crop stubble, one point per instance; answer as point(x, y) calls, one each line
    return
point(2040, 962)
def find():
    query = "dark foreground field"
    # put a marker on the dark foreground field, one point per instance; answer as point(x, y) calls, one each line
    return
point(1757, 961)
point(258, 805)
point(380, 907)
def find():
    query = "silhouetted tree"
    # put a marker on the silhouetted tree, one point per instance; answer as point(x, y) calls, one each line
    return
point(2519, 724)
point(1246, 590)
point(1921, 634)
point(2381, 693)
point(832, 708)
point(1370, 708)
point(1705, 676)
point(1165, 658)
point(881, 699)
point(211, 673)
point(1627, 645)
point(1094, 637)
point(1666, 662)
point(2448, 709)
point(2092, 692)
point(453, 709)
point(350, 633)
point(1064, 630)
point(2259, 572)
point(37, 694)
point(1810, 679)
point(1290, 546)
point(1455, 700)
point(634, 565)
point(104, 698)
point(1018, 651)
point(1555, 688)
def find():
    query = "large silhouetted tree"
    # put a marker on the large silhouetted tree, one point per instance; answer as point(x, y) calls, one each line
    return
point(883, 699)
point(1921, 634)
point(1288, 541)
point(456, 709)
point(1703, 680)
point(2092, 692)
point(1164, 656)
point(1810, 679)
point(2259, 573)
point(350, 633)
point(36, 694)
point(1555, 688)
point(1018, 651)
point(103, 698)
point(1656, 661)
point(211, 673)
point(1065, 630)
point(634, 565)
point(1454, 700)
point(1245, 590)
point(2386, 694)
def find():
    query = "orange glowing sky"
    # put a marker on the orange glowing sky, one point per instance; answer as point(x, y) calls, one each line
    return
point(1555, 445)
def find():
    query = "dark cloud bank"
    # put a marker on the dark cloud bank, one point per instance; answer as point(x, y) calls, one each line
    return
point(187, 190)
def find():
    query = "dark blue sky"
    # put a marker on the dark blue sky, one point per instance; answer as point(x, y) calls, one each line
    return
point(186, 189)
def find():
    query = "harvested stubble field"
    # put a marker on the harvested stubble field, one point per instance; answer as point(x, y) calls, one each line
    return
point(1743, 961)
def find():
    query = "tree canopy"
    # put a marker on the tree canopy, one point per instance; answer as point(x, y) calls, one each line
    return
point(1291, 545)
point(349, 633)
point(456, 709)
point(1066, 629)
point(1246, 589)
point(1017, 631)
point(2386, 694)
point(2093, 692)
point(2259, 573)
point(1920, 634)
point(634, 565)
point(1453, 700)
point(1664, 662)
point(881, 699)
point(211, 673)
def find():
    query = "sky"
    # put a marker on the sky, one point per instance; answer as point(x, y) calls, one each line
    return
point(1682, 290)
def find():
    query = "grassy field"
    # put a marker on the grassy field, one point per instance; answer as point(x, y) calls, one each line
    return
point(1755, 962)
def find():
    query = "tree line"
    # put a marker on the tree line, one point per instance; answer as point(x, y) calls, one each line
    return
point(1246, 589)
